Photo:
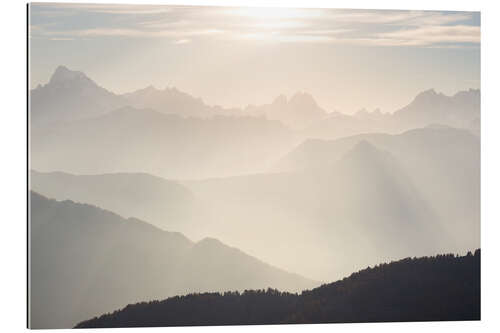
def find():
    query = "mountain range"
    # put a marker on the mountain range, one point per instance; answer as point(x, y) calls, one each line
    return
point(86, 261)
point(171, 146)
point(171, 134)
point(320, 193)
point(444, 287)
point(373, 195)
point(442, 162)
point(72, 95)
point(69, 96)
point(166, 204)
point(461, 110)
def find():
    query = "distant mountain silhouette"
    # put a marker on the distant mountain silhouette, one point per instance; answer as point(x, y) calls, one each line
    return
point(396, 215)
point(365, 204)
point(437, 288)
point(297, 113)
point(442, 162)
point(173, 101)
point(85, 261)
point(71, 95)
point(432, 107)
point(461, 110)
point(68, 96)
point(373, 196)
point(163, 203)
point(380, 196)
point(171, 146)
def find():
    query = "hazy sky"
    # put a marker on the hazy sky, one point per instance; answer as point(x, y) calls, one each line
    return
point(347, 59)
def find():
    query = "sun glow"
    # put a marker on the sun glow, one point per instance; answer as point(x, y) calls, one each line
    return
point(264, 13)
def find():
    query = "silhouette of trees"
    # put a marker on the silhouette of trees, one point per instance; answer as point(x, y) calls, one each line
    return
point(444, 287)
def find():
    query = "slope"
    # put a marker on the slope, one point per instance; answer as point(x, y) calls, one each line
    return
point(85, 261)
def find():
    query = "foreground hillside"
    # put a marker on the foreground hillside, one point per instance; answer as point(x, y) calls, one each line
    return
point(444, 287)
point(86, 261)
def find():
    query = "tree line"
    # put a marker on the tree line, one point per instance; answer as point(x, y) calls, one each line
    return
point(442, 287)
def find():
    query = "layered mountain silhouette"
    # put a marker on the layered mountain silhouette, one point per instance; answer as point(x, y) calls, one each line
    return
point(71, 95)
point(437, 288)
point(174, 101)
point(374, 195)
point(429, 106)
point(298, 112)
point(68, 96)
point(163, 203)
point(442, 162)
point(86, 261)
point(286, 182)
point(365, 204)
point(168, 101)
point(133, 140)
point(461, 110)
point(174, 135)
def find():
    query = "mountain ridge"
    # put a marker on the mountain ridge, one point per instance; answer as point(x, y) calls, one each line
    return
point(442, 287)
point(85, 260)
point(298, 112)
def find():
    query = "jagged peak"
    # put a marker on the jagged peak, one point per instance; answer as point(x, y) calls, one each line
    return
point(362, 111)
point(467, 92)
point(281, 99)
point(430, 91)
point(427, 93)
point(302, 98)
point(151, 88)
point(63, 74)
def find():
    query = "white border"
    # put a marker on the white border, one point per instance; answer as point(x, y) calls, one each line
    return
point(13, 163)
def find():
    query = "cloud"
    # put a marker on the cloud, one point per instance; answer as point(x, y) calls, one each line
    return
point(428, 35)
point(122, 32)
point(409, 18)
point(177, 23)
point(61, 38)
point(72, 8)
point(182, 41)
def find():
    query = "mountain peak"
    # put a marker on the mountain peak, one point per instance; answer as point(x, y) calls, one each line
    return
point(63, 74)
point(428, 92)
point(468, 93)
point(364, 146)
point(147, 90)
point(210, 242)
point(365, 152)
point(281, 99)
point(303, 99)
point(428, 95)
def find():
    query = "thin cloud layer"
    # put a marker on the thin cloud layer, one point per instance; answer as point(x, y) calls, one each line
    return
point(189, 24)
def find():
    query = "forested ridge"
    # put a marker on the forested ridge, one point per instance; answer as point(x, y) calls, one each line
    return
point(443, 287)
